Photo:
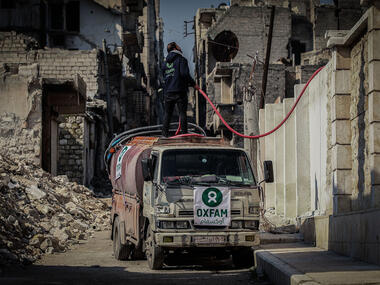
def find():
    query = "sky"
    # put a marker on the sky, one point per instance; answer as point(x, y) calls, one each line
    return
point(174, 13)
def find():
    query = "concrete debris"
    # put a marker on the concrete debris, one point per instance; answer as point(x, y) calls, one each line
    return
point(41, 214)
point(276, 224)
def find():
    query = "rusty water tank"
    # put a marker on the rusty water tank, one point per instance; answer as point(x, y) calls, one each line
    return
point(129, 179)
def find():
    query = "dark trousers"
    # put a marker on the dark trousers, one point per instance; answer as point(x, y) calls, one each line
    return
point(172, 99)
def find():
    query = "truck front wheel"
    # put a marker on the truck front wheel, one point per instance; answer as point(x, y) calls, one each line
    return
point(243, 257)
point(154, 253)
point(121, 251)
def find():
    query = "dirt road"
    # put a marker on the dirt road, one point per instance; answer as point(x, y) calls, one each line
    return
point(93, 263)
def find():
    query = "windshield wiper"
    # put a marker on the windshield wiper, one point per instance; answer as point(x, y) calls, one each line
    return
point(224, 180)
point(186, 180)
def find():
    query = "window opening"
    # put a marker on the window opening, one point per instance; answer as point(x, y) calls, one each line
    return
point(7, 4)
point(73, 16)
point(225, 46)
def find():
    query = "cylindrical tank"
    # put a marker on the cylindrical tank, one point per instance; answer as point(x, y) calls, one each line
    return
point(129, 178)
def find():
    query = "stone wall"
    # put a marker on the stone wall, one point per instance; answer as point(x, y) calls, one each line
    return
point(336, 143)
point(71, 147)
point(16, 42)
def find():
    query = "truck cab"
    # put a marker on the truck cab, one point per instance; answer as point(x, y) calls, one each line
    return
point(197, 194)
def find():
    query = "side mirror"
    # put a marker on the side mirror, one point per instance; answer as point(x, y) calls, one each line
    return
point(268, 171)
point(146, 164)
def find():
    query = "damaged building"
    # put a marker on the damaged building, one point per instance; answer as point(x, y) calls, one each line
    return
point(74, 73)
point(233, 65)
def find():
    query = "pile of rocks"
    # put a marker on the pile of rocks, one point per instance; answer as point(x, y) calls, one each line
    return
point(42, 214)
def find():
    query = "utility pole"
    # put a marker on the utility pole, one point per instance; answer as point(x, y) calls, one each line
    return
point(267, 58)
point(109, 101)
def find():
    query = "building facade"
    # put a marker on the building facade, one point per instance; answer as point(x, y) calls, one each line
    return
point(94, 65)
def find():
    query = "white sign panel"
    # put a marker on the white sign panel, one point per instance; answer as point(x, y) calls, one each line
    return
point(212, 206)
point(119, 161)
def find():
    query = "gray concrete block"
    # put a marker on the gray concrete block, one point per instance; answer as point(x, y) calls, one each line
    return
point(341, 132)
point(290, 161)
point(341, 157)
point(374, 137)
point(342, 182)
point(374, 106)
point(373, 18)
point(374, 76)
point(340, 107)
point(342, 204)
point(373, 45)
point(341, 58)
point(302, 143)
point(279, 160)
point(375, 169)
point(270, 189)
point(341, 82)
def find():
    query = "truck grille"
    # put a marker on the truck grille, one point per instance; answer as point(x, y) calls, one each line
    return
point(235, 212)
point(186, 212)
point(191, 212)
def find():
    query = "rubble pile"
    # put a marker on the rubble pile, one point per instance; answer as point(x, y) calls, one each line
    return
point(41, 214)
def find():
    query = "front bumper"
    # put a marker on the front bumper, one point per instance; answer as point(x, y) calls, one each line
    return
point(187, 239)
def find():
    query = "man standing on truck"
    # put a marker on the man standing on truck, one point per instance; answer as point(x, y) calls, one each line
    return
point(177, 79)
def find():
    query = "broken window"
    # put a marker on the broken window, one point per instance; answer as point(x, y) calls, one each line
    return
point(56, 16)
point(225, 46)
point(72, 16)
point(7, 4)
point(65, 17)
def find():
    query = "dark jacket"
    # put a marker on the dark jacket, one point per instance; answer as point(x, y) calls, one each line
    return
point(175, 71)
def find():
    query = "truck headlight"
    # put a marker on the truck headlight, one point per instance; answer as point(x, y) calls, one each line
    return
point(236, 224)
point(162, 210)
point(182, 225)
point(254, 210)
point(251, 224)
point(167, 225)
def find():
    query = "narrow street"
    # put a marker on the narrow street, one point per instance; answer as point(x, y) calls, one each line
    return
point(220, 142)
point(92, 262)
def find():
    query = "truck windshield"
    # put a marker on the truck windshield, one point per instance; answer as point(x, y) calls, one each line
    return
point(200, 166)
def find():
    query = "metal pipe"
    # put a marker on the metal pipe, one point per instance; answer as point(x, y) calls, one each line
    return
point(109, 101)
point(267, 58)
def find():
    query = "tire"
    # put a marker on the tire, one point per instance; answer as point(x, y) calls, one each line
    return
point(154, 254)
point(121, 251)
point(138, 253)
point(243, 257)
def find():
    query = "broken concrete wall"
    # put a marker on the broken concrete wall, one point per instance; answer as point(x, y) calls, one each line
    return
point(331, 17)
point(20, 116)
point(16, 42)
point(72, 25)
point(250, 25)
point(60, 64)
point(96, 24)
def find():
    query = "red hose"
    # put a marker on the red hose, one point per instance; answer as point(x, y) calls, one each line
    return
point(179, 128)
point(278, 126)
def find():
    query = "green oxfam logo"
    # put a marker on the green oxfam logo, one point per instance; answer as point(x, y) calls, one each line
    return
point(212, 197)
